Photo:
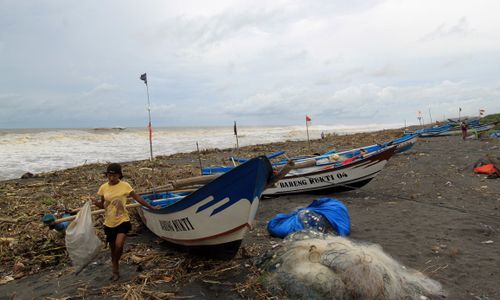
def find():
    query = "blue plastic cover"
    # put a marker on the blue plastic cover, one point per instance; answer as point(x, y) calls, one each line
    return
point(334, 211)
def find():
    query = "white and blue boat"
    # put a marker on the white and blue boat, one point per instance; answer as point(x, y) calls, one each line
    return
point(219, 213)
point(327, 173)
point(402, 144)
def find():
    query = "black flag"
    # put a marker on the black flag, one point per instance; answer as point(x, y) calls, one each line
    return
point(235, 130)
point(144, 77)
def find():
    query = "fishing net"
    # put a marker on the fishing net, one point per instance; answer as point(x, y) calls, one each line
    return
point(313, 265)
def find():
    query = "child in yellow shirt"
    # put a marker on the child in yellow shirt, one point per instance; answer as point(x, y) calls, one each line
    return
point(114, 194)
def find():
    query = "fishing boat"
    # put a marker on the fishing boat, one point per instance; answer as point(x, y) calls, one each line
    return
point(405, 142)
point(428, 132)
point(457, 131)
point(329, 176)
point(476, 128)
point(402, 144)
point(219, 213)
point(330, 172)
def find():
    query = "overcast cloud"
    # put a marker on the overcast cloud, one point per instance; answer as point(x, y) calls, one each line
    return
point(77, 63)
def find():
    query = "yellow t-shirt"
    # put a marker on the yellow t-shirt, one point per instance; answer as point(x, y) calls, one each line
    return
point(115, 197)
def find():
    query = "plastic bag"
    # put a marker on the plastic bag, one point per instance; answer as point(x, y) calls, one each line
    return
point(313, 221)
point(82, 242)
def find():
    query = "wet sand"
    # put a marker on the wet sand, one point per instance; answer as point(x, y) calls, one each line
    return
point(426, 209)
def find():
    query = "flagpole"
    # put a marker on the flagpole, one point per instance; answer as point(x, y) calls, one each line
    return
point(144, 77)
point(199, 157)
point(150, 128)
point(307, 130)
point(236, 135)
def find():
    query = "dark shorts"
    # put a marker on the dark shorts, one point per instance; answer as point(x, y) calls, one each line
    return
point(112, 232)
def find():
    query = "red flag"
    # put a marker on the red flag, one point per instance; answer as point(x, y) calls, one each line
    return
point(308, 119)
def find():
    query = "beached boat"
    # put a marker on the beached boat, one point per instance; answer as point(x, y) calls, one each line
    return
point(457, 131)
point(329, 176)
point(326, 173)
point(402, 144)
point(219, 213)
point(405, 142)
point(428, 132)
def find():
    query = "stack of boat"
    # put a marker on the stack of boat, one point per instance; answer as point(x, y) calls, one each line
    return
point(453, 128)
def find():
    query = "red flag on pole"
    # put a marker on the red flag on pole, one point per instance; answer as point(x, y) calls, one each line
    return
point(308, 122)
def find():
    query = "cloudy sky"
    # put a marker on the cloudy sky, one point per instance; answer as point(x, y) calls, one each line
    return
point(77, 63)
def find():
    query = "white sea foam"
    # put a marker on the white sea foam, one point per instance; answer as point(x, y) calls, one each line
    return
point(42, 150)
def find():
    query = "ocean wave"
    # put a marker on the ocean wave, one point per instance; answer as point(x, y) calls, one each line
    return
point(42, 150)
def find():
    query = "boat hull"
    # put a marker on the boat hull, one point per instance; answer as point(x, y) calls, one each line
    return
point(454, 131)
point(330, 178)
point(407, 144)
point(218, 213)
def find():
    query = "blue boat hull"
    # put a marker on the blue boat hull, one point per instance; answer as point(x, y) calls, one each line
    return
point(220, 212)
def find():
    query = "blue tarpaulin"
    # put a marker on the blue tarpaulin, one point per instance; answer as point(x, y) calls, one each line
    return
point(311, 217)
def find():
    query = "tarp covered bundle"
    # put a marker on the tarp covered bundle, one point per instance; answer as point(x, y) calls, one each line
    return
point(489, 165)
point(312, 265)
point(321, 215)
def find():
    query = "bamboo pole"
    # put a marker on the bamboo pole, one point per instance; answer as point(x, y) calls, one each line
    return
point(94, 212)
point(179, 183)
point(199, 158)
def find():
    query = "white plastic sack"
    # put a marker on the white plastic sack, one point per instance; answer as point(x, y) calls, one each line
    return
point(82, 242)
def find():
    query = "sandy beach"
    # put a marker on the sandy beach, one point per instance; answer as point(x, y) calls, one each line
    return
point(427, 209)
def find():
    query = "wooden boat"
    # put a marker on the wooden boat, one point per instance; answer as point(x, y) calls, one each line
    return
point(457, 131)
point(219, 213)
point(402, 144)
point(330, 176)
point(405, 142)
point(428, 132)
